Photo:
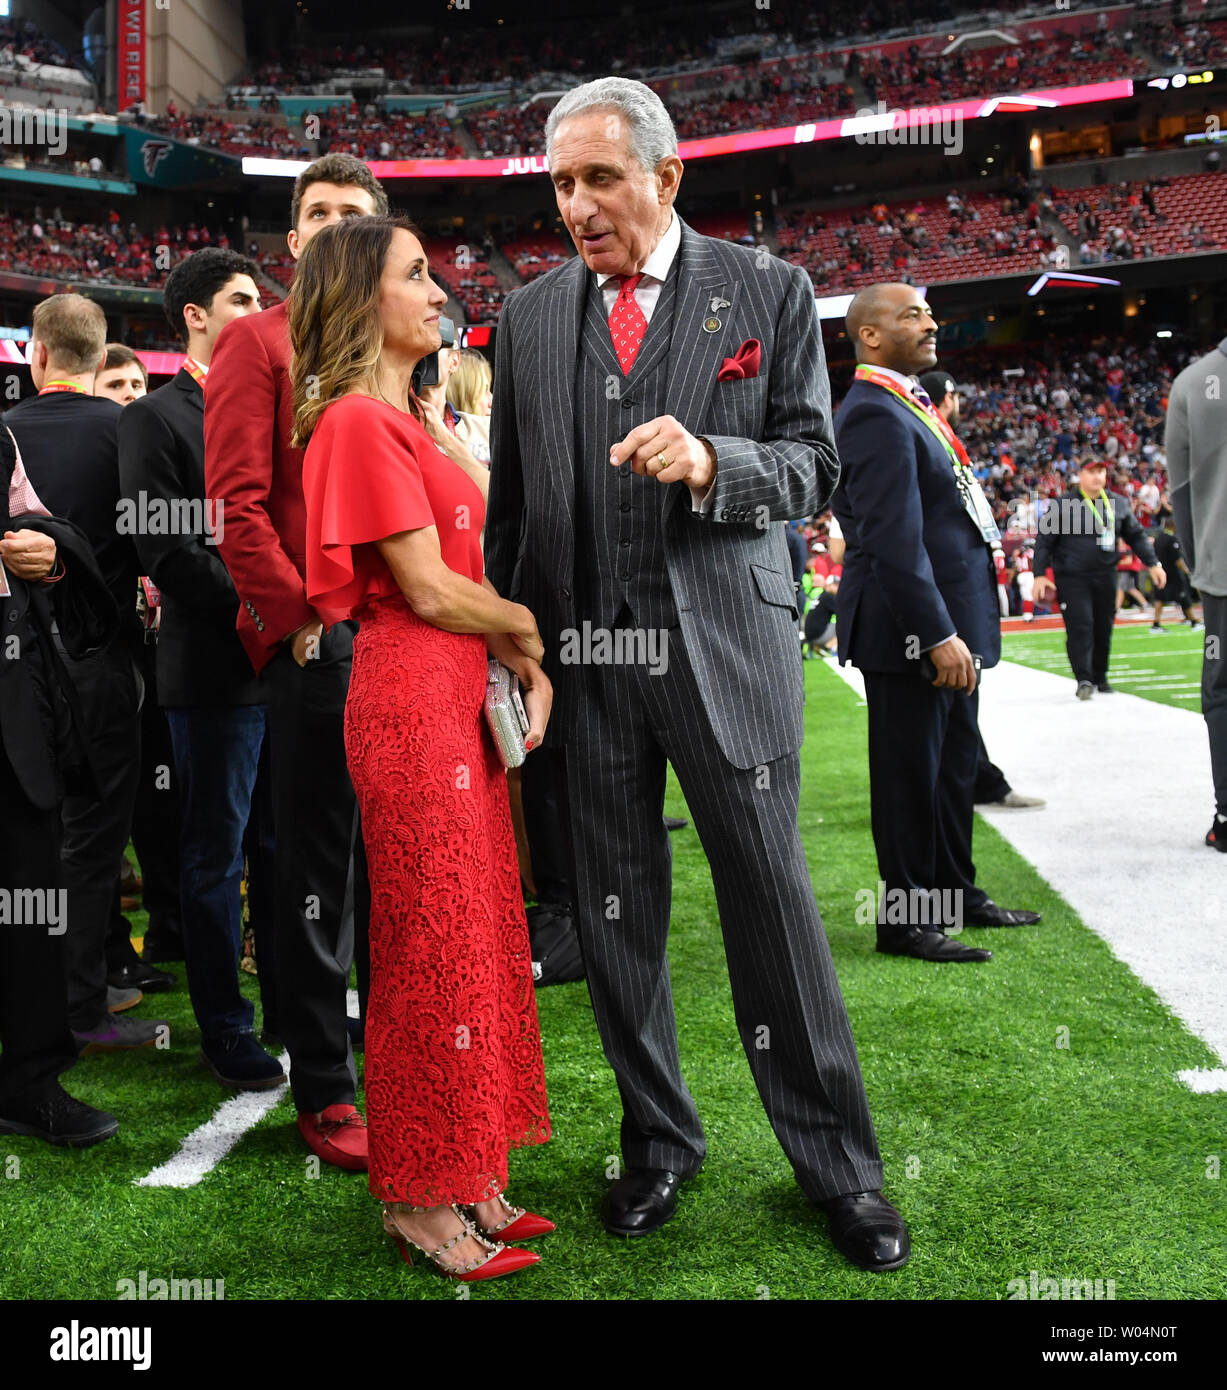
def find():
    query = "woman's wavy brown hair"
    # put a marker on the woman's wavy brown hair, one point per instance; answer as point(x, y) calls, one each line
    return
point(334, 315)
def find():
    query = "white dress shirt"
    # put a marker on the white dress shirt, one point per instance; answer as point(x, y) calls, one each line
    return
point(655, 270)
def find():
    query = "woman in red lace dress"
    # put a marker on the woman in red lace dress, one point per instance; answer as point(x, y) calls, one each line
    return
point(454, 1075)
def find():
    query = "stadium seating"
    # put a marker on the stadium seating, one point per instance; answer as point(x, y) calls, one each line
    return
point(90, 251)
point(1190, 214)
point(847, 248)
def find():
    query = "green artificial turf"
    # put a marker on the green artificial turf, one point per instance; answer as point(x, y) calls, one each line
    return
point(1006, 1151)
point(1158, 666)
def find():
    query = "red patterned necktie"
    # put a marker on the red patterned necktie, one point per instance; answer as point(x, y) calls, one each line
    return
point(627, 324)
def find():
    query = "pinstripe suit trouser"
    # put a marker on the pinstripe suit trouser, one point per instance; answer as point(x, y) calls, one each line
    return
point(787, 1002)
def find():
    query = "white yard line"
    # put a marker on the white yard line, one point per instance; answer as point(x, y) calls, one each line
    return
point(1129, 795)
point(205, 1147)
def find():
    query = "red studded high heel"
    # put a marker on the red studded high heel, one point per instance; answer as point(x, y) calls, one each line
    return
point(498, 1261)
point(519, 1225)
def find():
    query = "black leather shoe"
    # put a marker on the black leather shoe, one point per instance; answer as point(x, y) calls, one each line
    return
point(640, 1201)
point(929, 945)
point(990, 915)
point(59, 1119)
point(675, 823)
point(1105, 689)
point(141, 975)
point(867, 1230)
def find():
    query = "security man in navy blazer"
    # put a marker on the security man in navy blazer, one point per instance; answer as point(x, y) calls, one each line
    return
point(917, 603)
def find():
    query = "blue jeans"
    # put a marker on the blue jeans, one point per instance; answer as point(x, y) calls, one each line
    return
point(217, 752)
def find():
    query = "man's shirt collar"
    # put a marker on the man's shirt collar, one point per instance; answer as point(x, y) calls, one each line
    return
point(659, 263)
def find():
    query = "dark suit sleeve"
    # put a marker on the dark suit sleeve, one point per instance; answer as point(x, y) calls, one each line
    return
point(505, 505)
point(149, 462)
point(1135, 535)
point(879, 455)
point(793, 470)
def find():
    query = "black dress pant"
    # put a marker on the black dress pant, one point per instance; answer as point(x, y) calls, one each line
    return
point(259, 850)
point(1088, 604)
point(316, 836)
point(1214, 691)
point(96, 828)
point(156, 825)
point(990, 780)
point(35, 1043)
point(923, 748)
point(547, 823)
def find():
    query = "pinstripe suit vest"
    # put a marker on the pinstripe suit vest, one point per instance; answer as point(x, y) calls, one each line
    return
point(619, 515)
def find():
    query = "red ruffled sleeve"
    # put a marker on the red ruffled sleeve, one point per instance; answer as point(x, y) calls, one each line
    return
point(362, 482)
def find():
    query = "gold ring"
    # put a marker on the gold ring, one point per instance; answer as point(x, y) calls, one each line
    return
point(664, 462)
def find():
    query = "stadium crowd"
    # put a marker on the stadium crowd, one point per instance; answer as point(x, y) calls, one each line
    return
point(113, 252)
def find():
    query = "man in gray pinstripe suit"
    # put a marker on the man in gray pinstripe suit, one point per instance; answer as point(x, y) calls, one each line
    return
point(633, 493)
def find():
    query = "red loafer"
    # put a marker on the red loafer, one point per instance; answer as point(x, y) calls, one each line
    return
point(337, 1135)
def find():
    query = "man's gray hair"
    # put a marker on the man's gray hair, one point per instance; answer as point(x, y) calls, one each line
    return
point(649, 126)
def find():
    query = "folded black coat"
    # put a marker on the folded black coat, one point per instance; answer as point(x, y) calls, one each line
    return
point(40, 723)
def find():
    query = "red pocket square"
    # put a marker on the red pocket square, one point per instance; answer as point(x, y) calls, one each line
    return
point(744, 363)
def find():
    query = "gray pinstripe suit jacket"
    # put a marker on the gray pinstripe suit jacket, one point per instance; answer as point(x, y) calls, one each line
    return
point(729, 569)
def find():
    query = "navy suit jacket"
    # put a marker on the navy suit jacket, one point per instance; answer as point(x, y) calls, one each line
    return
point(916, 569)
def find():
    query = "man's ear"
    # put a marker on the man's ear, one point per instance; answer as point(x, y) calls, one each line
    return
point(291, 240)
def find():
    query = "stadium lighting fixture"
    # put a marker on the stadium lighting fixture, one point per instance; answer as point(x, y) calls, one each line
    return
point(1066, 279)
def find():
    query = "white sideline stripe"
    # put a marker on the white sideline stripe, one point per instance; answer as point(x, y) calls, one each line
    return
point(1125, 849)
point(205, 1147)
point(1203, 1080)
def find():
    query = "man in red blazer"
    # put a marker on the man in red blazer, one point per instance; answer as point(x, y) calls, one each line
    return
point(251, 471)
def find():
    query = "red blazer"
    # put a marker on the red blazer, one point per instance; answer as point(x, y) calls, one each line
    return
point(251, 470)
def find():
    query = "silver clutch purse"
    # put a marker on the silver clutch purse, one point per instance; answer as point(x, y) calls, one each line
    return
point(505, 713)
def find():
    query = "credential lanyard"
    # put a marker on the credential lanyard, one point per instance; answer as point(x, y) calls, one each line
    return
point(1106, 539)
point(974, 501)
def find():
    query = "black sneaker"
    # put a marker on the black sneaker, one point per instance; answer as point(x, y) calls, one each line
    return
point(1216, 836)
point(57, 1118)
point(241, 1062)
point(1105, 689)
point(118, 1033)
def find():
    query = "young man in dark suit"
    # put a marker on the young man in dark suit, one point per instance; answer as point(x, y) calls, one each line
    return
point(67, 436)
point(304, 673)
point(916, 601)
point(205, 681)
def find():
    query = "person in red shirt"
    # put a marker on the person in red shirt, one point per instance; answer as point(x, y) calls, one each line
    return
point(252, 467)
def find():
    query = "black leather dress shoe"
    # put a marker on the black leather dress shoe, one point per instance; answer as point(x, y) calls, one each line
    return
point(929, 945)
point(141, 975)
point(640, 1201)
point(990, 915)
point(675, 823)
point(867, 1230)
point(1105, 689)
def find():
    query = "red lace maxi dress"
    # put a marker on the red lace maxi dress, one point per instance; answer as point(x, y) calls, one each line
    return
point(454, 1075)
